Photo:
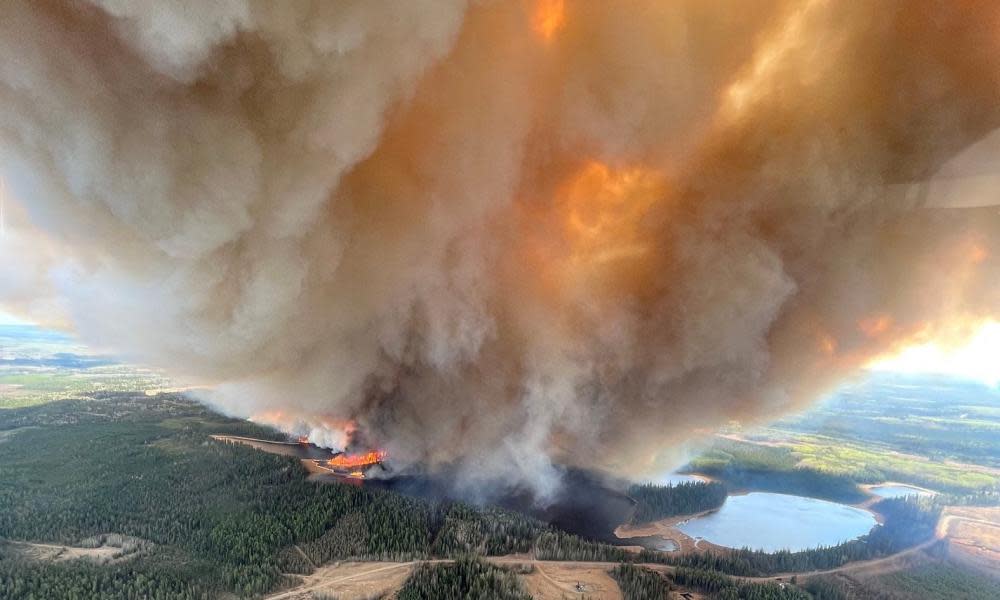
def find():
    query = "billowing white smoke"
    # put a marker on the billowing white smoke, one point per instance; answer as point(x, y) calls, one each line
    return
point(315, 430)
point(501, 234)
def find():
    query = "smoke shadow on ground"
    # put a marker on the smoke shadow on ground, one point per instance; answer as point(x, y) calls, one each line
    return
point(586, 504)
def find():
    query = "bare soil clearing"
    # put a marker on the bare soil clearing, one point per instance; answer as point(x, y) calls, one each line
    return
point(350, 581)
point(557, 581)
point(103, 554)
point(974, 536)
point(553, 580)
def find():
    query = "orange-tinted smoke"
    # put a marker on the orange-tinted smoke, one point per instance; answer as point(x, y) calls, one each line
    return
point(548, 18)
point(504, 234)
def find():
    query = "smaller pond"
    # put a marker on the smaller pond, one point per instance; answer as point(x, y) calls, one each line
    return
point(897, 491)
point(652, 542)
point(772, 522)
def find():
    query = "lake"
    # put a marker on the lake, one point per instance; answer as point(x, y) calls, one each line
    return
point(651, 542)
point(772, 522)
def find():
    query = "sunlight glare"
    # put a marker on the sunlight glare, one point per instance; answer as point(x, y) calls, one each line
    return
point(979, 359)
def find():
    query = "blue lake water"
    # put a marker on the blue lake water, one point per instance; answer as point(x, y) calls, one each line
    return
point(897, 491)
point(773, 522)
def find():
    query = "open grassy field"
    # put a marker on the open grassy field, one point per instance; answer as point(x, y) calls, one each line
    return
point(872, 465)
point(23, 387)
point(937, 417)
point(39, 366)
point(859, 463)
point(934, 432)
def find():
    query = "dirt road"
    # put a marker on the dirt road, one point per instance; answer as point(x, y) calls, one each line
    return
point(319, 582)
point(328, 577)
point(851, 567)
point(562, 577)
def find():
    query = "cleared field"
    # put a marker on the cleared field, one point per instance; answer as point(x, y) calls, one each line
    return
point(56, 553)
point(843, 457)
point(556, 581)
point(568, 580)
point(974, 536)
point(349, 581)
point(549, 580)
point(21, 388)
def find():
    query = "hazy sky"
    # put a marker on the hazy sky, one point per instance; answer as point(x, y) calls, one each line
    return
point(9, 319)
point(979, 359)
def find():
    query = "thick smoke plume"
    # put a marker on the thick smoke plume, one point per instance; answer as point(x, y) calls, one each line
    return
point(504, 234)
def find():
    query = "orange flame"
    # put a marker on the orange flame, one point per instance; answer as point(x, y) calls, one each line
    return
point(549, 17)
point(357, 461)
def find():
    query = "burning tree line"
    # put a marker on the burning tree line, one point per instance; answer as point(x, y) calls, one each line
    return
point(357, 461)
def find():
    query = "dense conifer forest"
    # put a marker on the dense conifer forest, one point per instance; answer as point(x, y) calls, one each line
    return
point(773, 469)
point(219, 517)
point(638, 583)
point(203, 518)
point(655, 502)
point(723, 587)
point(944, 580)
point(465, 579)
